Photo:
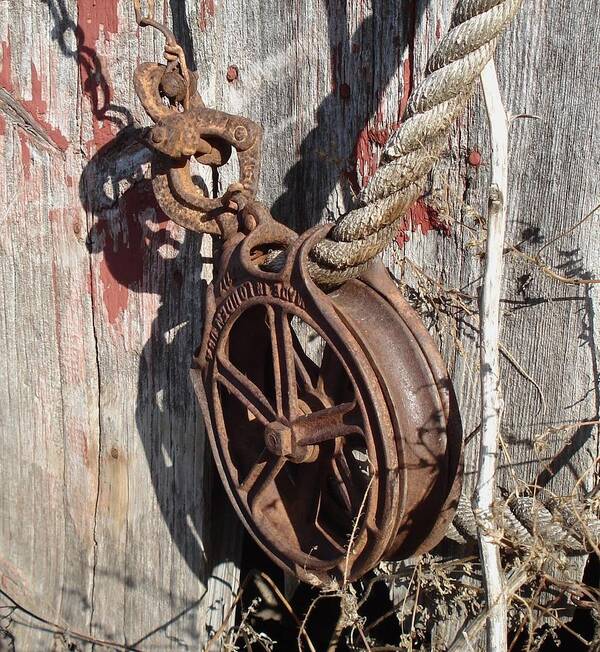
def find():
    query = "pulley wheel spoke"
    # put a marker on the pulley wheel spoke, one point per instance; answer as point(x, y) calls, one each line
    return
point(244, 390)
point(345, 482)
point(255, 471)
point(284, 368)
point(322, 528)
point(264, 480)
point(305, 368)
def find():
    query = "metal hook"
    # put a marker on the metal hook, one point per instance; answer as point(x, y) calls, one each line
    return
point(173, 51)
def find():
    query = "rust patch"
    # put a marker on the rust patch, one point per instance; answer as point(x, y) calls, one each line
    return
point(296, 420)
point(206, 13)
point(2, 126)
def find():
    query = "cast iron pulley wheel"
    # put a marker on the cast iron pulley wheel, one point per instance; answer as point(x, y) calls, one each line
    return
point(331, 417)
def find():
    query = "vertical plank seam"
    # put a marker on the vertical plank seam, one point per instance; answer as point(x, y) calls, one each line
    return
point(99, 459)
point(93, 307)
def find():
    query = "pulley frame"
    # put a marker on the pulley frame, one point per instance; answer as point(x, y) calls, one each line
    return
point(333, 462)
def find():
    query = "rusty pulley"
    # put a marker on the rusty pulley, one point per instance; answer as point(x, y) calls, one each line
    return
point(331, 416)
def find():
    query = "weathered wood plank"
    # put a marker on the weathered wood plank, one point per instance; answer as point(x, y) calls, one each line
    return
point(103, 512)
point(49, 403)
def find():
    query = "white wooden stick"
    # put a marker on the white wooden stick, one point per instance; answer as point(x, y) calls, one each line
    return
point(491, 402)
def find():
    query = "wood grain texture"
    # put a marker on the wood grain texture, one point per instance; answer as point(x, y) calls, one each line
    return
point(104, 520)
point(105, 511)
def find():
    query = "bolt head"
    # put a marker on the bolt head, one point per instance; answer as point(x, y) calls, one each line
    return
point(278, 439)
point(240, 133)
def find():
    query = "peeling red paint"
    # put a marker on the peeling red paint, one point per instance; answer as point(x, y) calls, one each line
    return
point(427, 218)
point(122, 264)
point(126, 245)
point(5, 73)
point(406, 85)
point(36, 106)
point(25, 156)
point(438, 29)
point(2, 126)
point(232, 73)
point(402, 235)
point(114, 295)
point(93, 18)
point(334, 62)
point(382, 135)
point(38, 109)
point(421, 215)
point(365, 158)
point(345, 91)
point(475, 158)
point(206, 12)
point(380, 132)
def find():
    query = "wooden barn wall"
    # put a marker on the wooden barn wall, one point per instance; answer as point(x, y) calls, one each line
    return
point(105, 510)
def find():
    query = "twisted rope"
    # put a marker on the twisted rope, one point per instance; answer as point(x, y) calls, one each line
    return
point(411, 152)
point(555, 523)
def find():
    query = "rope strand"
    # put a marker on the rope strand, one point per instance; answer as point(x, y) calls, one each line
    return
point(414, 148)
